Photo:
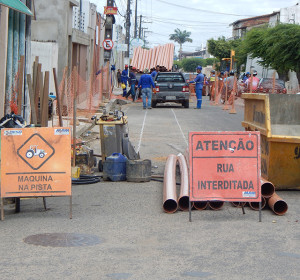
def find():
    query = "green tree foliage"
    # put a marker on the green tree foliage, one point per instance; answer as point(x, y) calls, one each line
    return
point(277, 47)
point(190, 64)
point(221, 48)
point(181, 37)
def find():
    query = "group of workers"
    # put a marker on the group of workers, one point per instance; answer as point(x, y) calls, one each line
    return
point(219, 84)
point(213, 85)
point(144, 84)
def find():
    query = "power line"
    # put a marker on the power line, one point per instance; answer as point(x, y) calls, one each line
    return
point(188, 25)
point(184, 20)
point(201, 10)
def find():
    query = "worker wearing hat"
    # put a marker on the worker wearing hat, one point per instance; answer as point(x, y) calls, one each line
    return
point(124, 79)
point(199, 80)
point(146, 82)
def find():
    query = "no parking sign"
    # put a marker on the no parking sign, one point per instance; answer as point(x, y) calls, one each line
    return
point(108, 44)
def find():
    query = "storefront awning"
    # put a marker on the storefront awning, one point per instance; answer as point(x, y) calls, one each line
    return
point(16, 5)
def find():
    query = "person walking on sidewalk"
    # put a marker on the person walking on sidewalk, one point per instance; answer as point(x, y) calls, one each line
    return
point(124, 79)
point(132, 82)
point(199, 80)
point(145, 83)
point(119, 77)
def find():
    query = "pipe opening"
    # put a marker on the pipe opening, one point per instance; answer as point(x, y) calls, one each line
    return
point(238, 204)
point(255, 205)
point(200, 205)
point(267, 189)
point(170, 206)
point(280, 207)
point(216, 205)
point(183, 203)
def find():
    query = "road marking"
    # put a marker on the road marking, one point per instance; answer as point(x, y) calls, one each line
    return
point(142, 131)
point(180, 128)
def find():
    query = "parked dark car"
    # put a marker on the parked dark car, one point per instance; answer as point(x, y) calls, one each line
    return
point(266, 86)
point(171, 87)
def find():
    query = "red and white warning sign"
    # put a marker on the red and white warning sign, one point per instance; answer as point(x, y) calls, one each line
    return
point(225, 166)
point(108, 44)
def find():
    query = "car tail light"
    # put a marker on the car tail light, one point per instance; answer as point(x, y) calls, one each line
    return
point(185, 89)
point(157, 88)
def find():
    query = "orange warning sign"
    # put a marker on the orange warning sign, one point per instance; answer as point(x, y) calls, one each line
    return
point(225, 166)
point(35, 162)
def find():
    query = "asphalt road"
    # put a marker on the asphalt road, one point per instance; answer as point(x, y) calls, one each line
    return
point(135, 238)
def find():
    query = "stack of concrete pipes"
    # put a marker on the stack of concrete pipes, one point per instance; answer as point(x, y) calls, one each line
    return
point(171, 203)
point(275, 202)
point(160, 55)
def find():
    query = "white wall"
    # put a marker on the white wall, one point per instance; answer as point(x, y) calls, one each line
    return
point(48, 57)
point(290, 14)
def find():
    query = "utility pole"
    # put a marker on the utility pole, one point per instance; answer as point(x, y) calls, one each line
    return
point(127, 36)
point(140, 30)
point(135, 20)
point(109, 21)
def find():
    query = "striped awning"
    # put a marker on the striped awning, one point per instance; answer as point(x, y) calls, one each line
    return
point(16, 5)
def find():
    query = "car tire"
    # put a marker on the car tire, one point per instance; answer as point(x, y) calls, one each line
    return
point(186, 104)
point(153, 104)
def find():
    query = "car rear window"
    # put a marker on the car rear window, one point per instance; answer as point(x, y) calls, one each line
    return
point(169, 77)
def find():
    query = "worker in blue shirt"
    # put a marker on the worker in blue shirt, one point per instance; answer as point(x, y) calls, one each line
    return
point(153, 74)
point(124, 79)
point(132, 81)
point(199, 80)
point(145, 83)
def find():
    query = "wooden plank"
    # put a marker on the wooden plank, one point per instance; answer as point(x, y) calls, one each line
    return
point(20, 84)
point(37, 90)
point(44, 102)
point(31, 97)
point(75, 87)
point(58, 100)
point(64, 88)
point(34, 73)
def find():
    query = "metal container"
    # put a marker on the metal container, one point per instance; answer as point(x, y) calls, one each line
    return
point(138, 170)
point(111, 135)
point(277, 117)
point(114, 167)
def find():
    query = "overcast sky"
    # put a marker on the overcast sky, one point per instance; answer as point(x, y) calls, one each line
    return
point(204, 19)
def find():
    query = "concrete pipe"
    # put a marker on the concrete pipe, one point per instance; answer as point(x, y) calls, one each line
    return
point(238, 204)
point(278, 205)
point(183, 201)
point(255, 205)
point(267, 188)
point(200, 205)
point(216, 205)
point(169, 192)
